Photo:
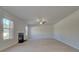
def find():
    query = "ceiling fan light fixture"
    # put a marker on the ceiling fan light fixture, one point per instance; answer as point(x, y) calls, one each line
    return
point(41, 20)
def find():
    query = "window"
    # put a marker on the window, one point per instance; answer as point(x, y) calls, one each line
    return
point(26, 29)
point(7, 29)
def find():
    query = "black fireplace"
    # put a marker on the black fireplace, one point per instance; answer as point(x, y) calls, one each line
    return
point(21, 37)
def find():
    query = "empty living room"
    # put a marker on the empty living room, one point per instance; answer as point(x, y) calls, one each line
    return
point(39, 28)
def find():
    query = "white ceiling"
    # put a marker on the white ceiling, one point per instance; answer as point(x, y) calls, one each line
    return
point(29, 14)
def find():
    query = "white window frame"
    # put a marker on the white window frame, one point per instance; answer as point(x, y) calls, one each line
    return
point(10, 32)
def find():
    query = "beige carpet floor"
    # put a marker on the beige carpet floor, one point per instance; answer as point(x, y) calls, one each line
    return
point(45, 45)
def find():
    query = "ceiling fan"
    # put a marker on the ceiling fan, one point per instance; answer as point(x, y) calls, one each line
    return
point(41, 20)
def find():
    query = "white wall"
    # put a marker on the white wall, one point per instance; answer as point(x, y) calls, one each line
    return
point(18, 27)
point(67, 30)
point(41, 32)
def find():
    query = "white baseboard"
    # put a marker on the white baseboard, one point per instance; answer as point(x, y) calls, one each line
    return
point(3, 49)
point(66, 43)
